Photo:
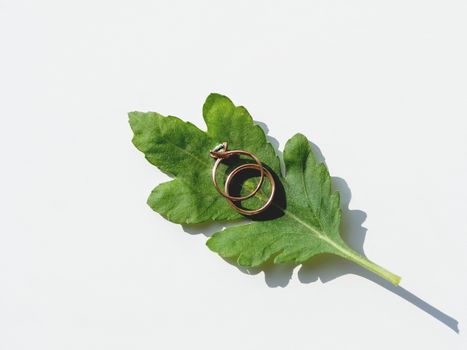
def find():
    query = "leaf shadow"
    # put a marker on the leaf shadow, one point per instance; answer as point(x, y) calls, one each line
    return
point(273, 141)
point(328, 267)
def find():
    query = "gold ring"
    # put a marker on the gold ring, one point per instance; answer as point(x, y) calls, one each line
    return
point(224, 154)
point(271, 195)
point(220, 153)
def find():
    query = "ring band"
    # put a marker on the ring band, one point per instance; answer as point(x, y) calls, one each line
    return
point(227, 154)
point(235, 172)
point(220, 153)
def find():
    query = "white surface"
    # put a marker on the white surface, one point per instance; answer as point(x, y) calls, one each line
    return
point(379, 86)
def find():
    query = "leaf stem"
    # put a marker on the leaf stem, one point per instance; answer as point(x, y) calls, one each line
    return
point(371, 266)
point(346, 252)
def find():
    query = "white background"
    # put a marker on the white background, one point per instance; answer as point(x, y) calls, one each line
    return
point(379, 86)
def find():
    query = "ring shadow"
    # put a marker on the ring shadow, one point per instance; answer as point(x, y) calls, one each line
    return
point(325, 267)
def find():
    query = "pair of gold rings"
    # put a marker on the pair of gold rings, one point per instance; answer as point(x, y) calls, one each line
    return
point(220, 153)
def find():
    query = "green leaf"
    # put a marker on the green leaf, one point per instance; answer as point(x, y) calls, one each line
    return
point(309, 218)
